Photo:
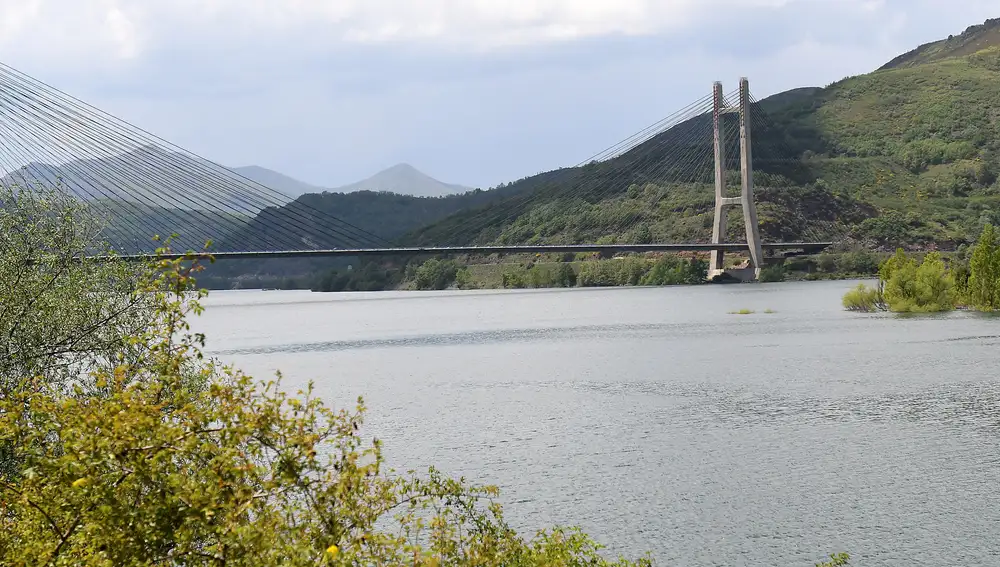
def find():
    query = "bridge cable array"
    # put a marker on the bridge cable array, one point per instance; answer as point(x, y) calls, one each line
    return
point(633, 178)
point(677, 149)
point(783, 172)
point(137, 185)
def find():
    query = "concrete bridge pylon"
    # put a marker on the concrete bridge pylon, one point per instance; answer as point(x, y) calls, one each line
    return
point(723, 202)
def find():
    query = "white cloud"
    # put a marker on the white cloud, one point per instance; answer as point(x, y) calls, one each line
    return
point(64, 32)
point(297, 84)
point(122, 32)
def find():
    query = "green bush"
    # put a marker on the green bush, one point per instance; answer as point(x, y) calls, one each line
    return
point(513, 280)
point(912, 288)
point(984, 272)
point(671, 270)
point(369, 276)
point(614, 272)
point(889, 229)
point(861, 262)
point(827, 263)
point(772, 274)
point(463, 279)
point(539, 277)
point(641, 235)
point(864, 299)
point(565, 276)
point(435, 274)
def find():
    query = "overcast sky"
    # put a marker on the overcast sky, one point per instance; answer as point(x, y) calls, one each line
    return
point(470, 91)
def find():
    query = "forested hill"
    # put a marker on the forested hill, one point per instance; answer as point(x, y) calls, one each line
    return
point(662, 191)
point(906, 155)
point(387, 215)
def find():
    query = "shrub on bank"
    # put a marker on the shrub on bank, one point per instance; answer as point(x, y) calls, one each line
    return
point(513, 280)
point(435, 274)
point(631, 271)
point(906, 286)
point(627, 271)
point(984, 272)
point(864, 299)
point(671, 270)
point(772, 274)
point(913, 288)
point(565, 276)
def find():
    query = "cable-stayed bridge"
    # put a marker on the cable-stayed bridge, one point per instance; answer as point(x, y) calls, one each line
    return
point(138, 185)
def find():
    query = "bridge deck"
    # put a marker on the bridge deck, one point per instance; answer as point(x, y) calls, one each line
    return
point(539, 249)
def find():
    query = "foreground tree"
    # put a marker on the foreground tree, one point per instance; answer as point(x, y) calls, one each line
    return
point(984, 272)
point(121, 445)
point(60, 315)
point(156, 472)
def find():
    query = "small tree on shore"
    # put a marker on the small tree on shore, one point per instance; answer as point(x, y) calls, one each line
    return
point(907, 287)
point(984, 272)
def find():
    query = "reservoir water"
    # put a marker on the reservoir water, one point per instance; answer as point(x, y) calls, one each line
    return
point(657, 421)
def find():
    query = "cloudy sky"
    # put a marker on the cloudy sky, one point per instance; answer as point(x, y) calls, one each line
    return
point(470, 91)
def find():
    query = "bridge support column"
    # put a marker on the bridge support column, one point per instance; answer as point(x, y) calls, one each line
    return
point(746, 180)
point(717, 264)
point(723, 202)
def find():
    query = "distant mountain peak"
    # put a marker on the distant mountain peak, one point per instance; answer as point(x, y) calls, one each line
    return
point(402, 167)
point(404, 179)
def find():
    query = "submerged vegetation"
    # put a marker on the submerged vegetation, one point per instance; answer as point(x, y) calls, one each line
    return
point(865, 299)
point(930, 286)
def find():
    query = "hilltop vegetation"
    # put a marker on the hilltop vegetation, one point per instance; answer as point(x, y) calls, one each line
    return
point(973, 39)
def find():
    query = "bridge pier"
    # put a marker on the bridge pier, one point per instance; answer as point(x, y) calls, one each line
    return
point(717, 267)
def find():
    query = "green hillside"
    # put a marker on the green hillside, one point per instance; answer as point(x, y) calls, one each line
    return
point(663, 191)
point(920, 142)
point(972, 40)
point(907, 155)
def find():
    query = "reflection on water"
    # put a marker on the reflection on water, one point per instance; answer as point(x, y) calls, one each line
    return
point(658, 422)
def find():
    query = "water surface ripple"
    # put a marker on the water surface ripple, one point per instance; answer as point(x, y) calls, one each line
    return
point(657, 421)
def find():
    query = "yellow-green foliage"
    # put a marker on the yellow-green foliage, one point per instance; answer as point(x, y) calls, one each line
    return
point(984, 272)
point(906, 286)
point(836, 560)
point(864, 298)
point(912, 288)
point(618, 271)
point(56, 312)
point(147, 470)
